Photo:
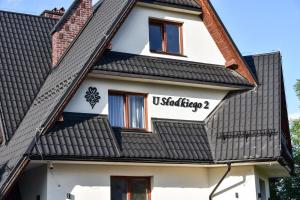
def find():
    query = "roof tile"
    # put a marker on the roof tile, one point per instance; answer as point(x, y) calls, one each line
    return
point(22, 76)
point(162, 68)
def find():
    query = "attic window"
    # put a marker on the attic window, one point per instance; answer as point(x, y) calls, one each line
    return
point(165, 37)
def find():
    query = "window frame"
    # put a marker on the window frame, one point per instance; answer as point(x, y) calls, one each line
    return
point(163, 23)
point(3, 135)
point(126, 108)
point(128, 179)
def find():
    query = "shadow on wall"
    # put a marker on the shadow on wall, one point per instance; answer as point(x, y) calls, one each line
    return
point(230, 187)
point(136, 33)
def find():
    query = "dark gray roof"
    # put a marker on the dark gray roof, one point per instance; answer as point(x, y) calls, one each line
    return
point(140, 145)
point(247, 125)
point(187, 4)
point(84, 136)
point(74, 66)
point(25, 61)
point(61, 83)
point(90, 136)
point(79, 134)
point(184, 140)
point(125, 64)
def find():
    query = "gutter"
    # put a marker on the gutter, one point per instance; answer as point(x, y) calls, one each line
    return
point(220, 181)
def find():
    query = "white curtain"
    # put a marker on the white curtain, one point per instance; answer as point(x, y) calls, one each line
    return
point(116, 110)
point(136, 112)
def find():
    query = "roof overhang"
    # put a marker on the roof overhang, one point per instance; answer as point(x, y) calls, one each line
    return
point(270, 168)
point(170, 7)
point(166, 81)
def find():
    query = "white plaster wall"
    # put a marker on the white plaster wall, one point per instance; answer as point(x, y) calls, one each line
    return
point(240, 180)
point(33, 183)
point(79, 103)
point(168, 182)
point(198, 45)
point(93, 181)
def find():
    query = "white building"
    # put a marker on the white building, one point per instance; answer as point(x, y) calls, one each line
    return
point(143, 100)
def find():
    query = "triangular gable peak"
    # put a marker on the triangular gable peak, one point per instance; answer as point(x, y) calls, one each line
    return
point(195, 43)
point(204, 38)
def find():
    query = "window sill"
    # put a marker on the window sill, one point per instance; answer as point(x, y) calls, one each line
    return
point(166, 53)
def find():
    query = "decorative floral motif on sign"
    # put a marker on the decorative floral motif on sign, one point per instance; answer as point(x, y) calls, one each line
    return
point(92, 96)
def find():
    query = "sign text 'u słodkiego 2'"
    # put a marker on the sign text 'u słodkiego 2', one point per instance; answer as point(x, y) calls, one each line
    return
point(180, 102)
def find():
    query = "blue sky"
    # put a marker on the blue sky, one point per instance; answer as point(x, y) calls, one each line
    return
point(257, 26)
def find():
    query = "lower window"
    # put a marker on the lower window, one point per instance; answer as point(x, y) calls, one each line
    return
point(130, 188)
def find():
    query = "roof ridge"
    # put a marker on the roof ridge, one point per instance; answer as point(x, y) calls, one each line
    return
point(185, 4)
point(26, 14)
point(264, 53)
point(178, 120)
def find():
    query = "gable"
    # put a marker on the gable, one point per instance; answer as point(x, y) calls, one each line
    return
point(198, 45)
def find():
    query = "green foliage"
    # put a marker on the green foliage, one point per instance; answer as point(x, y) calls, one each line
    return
point(295, 129)
point(289, 188)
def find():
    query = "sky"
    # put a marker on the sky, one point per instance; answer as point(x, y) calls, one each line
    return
point(256, 26)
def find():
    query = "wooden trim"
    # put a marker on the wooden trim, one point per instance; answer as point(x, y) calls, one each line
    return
point(181, 39)
point(126, 108)
point(146, 112)
point(126, 112)
point(129, 180)
point(119, 92)
point(159, 20)
point(164, 53)
point(163, 23)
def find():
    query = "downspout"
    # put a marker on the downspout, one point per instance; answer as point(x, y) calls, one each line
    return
point(219, 183)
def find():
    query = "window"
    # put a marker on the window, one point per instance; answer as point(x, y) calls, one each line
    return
point(165, 37)
point(127, 110)
point(130, 188)
point(262, 185)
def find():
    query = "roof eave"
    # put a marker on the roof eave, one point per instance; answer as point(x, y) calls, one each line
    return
point(169, 6)
point(166, 80)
